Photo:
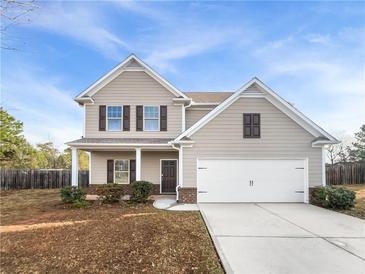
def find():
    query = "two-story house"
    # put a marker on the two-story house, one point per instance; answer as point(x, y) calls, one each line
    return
point(244, 146)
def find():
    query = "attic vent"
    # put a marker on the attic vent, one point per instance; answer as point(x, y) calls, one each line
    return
point(133, 64)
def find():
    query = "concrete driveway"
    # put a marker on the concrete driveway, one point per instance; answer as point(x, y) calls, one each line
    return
point(285, 238)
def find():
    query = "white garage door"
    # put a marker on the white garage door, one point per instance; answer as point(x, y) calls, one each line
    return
point(235, 181)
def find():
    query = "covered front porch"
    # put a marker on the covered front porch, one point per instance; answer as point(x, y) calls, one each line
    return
point(124, 163)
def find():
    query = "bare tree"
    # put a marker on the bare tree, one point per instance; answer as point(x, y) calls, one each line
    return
point(332, 153)
point(339, 153)
point(13, 12)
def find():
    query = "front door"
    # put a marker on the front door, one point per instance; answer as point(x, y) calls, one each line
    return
point(168, 176)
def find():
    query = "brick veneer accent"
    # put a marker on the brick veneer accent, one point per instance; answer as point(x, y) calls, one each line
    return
point(187, 195)
point(312, 191)
point(127, 188)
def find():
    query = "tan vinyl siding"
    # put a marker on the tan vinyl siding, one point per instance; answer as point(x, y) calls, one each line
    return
point(192, 116)
point(150, 164)
point(281, 137)
point(133, 88)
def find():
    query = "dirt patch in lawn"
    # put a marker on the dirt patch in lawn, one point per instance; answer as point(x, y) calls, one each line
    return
point(359, 209)
point(104, 239)
point(18, 205)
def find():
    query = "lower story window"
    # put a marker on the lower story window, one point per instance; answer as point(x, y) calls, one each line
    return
point(121, 171)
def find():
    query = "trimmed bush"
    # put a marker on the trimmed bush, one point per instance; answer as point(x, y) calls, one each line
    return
point(341, 198)
point(140, 191)
point(73, 195)
point(70, 194)
point(110, 193)
point(334, 197)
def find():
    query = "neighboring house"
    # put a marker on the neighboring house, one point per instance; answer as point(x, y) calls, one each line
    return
point(244, 146)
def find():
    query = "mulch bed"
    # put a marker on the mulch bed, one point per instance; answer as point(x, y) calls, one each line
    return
point(120, 238)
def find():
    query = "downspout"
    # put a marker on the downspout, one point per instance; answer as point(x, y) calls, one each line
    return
point(177, 187)
point(184, 114)
point(179, 149)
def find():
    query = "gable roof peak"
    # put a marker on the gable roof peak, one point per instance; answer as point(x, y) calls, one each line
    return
point(132, 62)
point(272, 97)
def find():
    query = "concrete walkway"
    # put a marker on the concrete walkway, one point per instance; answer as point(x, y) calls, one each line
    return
point(285, 238)
point(171, 204)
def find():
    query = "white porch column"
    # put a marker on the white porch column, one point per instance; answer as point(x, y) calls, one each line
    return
point(180, 166)
point(138, 164)
point(74, 168)
point(323, 166)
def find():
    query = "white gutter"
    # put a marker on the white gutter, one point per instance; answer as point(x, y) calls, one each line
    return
point(114, 144)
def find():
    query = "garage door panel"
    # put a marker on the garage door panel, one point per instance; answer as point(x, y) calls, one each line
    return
point(251, 180)
point(225, 175)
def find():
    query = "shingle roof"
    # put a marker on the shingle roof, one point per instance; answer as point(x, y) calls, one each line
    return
point(208, 97)
point(121, 141)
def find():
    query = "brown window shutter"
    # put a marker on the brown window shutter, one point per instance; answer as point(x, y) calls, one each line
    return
point(126, 118)
point(110, 171)
point(102, 118)
point(163, 118)
point(139, 118)
point(251, 125)
point(256, 125)
point(132, 170)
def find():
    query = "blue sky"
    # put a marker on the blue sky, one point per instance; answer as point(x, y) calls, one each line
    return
point(311, 53)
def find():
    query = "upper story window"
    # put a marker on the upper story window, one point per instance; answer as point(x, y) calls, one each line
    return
point(151, 120)
point(114, 118)
point(251, 125)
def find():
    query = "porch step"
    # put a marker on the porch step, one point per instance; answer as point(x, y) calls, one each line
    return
point(162, 196)
point(164, 203)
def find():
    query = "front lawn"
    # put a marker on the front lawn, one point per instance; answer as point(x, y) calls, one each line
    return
point(39, 234)
point(359, 209)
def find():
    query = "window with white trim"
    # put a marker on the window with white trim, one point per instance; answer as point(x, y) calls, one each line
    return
point(151, 118)
point(121, 171)
point(114, 118)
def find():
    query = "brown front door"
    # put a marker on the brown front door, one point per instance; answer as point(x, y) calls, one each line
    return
point(168, 176)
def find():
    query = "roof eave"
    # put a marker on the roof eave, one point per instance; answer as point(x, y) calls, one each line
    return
point(325, 142)
point(84, 100)
point(111, 145)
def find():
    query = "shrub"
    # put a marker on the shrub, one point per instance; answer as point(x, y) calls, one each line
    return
point(70, 194)
point(341, 198)
point(140, 191)
point(319, 197)
point(334, 197)
point(110, 193)
point(80, 203)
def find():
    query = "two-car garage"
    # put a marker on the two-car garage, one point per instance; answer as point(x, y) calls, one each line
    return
point(252, 180)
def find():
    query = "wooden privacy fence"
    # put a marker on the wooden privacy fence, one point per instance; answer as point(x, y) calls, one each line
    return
point(350, 173)
point(40, 178)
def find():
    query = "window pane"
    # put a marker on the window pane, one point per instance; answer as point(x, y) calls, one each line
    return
point(121, 165)
point(114, 111)
point(151, 125)
point(121, 177)
point(151, 112)
point(114, 124)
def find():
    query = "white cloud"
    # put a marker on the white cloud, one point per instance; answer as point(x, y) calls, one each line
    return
point(331, 72)
point(183, 34)
point(81, 22)
point(47, 111)
point(318, 38)
point(187, 42)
